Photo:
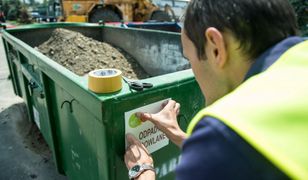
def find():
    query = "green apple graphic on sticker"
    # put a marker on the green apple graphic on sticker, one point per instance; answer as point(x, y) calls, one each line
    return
point(134, 121)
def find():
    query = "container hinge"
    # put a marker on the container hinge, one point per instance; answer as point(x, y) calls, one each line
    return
point(32, 85)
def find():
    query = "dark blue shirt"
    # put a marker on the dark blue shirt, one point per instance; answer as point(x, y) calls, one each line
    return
point(214, 151)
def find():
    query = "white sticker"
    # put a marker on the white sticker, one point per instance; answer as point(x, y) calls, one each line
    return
point(36, 117)
point(146, 132)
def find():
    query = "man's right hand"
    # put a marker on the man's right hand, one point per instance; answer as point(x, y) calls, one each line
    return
point(166, 121)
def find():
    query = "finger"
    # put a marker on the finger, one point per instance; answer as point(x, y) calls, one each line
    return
point(144, 150)
point(178, 112)
point(132, 140)
point(129, 159)
point(130, 156)
point(134, 149)
point(177, 108)
point(154, 118)
point(140, 153)
point(170, 105)
point(144, 116)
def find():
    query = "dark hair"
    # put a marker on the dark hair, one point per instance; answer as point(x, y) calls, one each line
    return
point(256, 24)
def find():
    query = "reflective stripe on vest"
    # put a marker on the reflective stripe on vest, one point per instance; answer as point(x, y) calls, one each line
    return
point(270, 111)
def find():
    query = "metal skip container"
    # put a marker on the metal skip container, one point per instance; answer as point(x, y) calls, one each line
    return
point(85, 130)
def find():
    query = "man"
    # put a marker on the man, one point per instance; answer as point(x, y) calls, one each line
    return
point(252, 70)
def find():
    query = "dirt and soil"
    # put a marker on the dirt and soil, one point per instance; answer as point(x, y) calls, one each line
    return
point(81, 54)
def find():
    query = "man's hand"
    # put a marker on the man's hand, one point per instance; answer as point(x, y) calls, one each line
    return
point(135, 154)
point(166, 121)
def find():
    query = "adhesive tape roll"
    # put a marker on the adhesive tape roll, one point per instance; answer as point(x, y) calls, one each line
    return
point(105, 80)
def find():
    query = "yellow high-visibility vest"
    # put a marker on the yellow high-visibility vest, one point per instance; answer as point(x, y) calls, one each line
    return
point(270, 112)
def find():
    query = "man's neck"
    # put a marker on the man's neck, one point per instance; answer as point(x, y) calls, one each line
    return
point(238, 73)
point(238, 64)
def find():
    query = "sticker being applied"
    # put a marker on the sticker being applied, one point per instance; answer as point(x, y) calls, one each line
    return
point(146, 132)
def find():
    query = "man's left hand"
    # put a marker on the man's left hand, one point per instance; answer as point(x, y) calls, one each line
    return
point(135, 154)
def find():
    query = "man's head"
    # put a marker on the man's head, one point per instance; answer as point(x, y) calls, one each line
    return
point(221, 38)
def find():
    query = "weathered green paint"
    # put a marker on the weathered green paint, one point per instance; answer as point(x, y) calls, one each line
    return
point(84, 130)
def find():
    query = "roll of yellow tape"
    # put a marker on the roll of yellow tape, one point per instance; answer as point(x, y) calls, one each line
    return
point(105, 80)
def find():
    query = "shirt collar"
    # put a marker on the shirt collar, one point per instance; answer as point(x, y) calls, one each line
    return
point(271, 55)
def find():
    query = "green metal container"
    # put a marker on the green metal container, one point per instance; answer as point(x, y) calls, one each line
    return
point(84, 130)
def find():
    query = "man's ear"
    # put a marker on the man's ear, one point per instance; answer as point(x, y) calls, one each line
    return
point(216, 47)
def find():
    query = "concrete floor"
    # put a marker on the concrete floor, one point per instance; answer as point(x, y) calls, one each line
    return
point(23, 152)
